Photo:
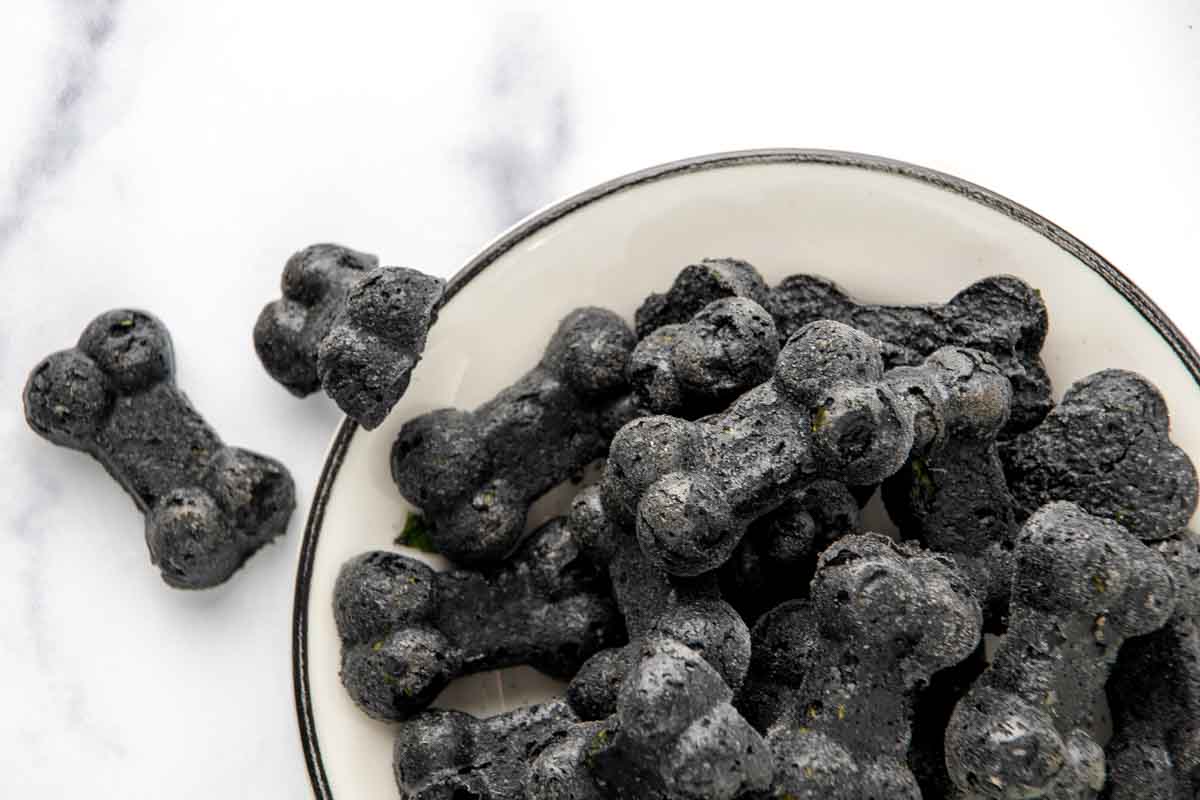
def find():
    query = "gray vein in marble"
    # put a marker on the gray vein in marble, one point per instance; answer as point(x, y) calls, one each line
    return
point(89, 28)
point(531, 129)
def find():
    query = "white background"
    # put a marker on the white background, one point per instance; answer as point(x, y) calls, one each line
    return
point(171, 156)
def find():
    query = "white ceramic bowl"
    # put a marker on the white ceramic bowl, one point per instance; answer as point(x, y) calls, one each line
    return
point(885, 231)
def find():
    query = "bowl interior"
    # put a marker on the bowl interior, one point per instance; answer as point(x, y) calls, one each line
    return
point(884, 236)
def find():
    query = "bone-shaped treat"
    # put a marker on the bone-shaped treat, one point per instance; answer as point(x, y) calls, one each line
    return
point(692, 488)
point(697, 367)
point(474, 474)
point(696, 286)
point(1107, 448)
point(952, 496)
point(1154, 695)
point(367, 357)
point(1002, 316)
point(407, 631)
point(1082, 586)
point(289, 330)
point(833, 679)
point(778, 556)
point(677, 735)
point(562, 770)
point(702, 750)
point(654, 604)
point(208, 507)
point(444, 755)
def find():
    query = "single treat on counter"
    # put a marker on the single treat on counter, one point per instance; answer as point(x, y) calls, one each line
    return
point(208, 506)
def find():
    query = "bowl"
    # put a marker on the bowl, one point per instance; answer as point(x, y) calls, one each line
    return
point(886, 231)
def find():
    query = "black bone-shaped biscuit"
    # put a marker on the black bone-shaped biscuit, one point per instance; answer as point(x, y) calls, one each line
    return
point(1154, 695)
point(475, 473)
point(1002, 316)
point(445, 755)
point(692, 488)
point(778, 556)
point(1107, 448)
point(653, 604)
point(562, 770)
point(289, 330)
point(697, 367)
point(208, 507)
point(1082, 586)
point(952, 495)
point(406, 630)
point(677, 734)
point(696, 286)
point(833, 679)
point(367, 357)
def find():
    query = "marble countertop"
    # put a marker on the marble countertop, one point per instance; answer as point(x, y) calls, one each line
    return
point(172, 155)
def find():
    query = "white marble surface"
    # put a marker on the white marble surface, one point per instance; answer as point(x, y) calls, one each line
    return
point(171, 156)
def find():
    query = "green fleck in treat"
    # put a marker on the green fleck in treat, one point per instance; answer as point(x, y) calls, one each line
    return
point(416, 534)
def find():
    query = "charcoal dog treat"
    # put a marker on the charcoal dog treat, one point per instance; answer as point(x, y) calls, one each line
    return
point(1082, 586)
point(696, 286)
point(562, 770)
point(444, 755)
point(832, 679)
point(654, 604)
point(474, 474)
point(208, 507)
point(777, 558)
point(677, 734)
point(697, 367)
point(407, 631)
point(1107, 448)
point(952, 495)
point(1002, 316)
point(1154, 695)
point(692, 488)
point(367, 357)
point(289, 330)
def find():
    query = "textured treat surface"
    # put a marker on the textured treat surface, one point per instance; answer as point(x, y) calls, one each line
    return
point(474, 474)
point(1107, 448)
point(1002, 316)
point(696, 368)
point(695, 287)
point(366, 359)
point(208, 507)
point(1082, 586)
point(289, 330)
point(832, 679)
point(407, 631)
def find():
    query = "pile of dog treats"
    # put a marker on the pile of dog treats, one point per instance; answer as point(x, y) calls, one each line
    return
point(728, 628)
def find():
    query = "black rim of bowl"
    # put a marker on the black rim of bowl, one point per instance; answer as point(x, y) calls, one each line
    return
point(312, 529)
